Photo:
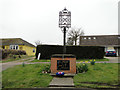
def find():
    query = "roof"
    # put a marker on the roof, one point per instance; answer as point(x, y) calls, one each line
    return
point(15, 41)
point(100, 40)
point(99, 35)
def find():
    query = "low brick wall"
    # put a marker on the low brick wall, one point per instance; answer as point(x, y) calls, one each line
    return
point(72, 65)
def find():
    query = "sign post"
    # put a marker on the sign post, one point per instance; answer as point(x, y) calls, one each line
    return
point(64, 24)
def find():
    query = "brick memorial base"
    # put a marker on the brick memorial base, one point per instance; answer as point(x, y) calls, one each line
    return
point(63, 63)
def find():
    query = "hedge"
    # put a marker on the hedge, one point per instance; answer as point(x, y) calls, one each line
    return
point(81, 52)
point(5, 52)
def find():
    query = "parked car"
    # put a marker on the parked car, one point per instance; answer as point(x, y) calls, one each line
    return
point(110, 53)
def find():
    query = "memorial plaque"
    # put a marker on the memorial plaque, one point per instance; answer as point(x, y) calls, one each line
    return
point(63, 65)
point(66, 64)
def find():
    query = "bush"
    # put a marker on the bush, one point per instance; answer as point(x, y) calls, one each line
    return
point(48, 50)
point(46, 69)
point(21, 52)
point(5, 52)
point(82, 67)
point(81, 52)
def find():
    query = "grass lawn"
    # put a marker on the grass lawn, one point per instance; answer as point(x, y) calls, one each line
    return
point(9, 59)
point(98, 76)
point(29, 76)
point(105, 59)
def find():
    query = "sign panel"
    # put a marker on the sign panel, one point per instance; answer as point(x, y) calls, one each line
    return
point(63, 65)
point(65, 18)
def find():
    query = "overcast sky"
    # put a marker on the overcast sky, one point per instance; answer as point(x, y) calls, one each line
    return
point(34, 20)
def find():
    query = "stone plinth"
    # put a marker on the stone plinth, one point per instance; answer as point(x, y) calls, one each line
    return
point(63, 63)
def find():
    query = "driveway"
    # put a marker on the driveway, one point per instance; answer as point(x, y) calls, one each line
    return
point(4, 66)
point(113, 59)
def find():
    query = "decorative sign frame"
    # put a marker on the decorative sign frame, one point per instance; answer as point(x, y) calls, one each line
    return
point(65, 18)
point(63, 64)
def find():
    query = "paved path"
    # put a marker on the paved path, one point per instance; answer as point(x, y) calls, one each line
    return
point(6, 65)
point(114, 59)
point(62, 82)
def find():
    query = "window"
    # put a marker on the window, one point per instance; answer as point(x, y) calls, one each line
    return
point(85, 38)
point(33, 50)
point(94, 37)
point(14, 47)
point(89, 37)
point(11, 47)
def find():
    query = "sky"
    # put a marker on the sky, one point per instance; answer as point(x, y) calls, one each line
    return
point(34, 20)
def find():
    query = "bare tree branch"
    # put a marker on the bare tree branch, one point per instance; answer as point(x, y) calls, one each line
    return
point(73, 35)
point(38, 42)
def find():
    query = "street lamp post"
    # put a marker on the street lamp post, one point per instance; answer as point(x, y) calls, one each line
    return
point(64, 24)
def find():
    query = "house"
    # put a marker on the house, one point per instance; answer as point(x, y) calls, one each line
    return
point(108, 41)
point(18, 44)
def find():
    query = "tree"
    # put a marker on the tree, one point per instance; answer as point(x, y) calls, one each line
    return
point(73, 35)
point(69, 41)
point(38, 42)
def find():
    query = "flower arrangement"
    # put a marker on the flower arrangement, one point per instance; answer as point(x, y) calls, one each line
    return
point(82, 67)
point(46, 69)
point(92, 62)
point(23, 64)
point(81, 61)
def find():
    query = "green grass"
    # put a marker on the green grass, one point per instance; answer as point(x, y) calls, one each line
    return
point(104, 59)
point(98, 76)
point(9, 59)
point(29, 76)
